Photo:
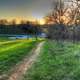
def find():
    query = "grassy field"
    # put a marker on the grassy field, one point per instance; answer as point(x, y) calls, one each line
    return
point(12, 52)
point(4, 38)
point(58, 61)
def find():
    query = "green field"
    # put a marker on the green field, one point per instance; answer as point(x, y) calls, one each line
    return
point(4, 38)
point(58, 61)
point(12, 52)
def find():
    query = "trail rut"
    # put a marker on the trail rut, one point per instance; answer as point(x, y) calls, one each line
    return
point(22, 68)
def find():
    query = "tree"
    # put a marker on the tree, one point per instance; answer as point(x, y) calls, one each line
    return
point(31, 29)
point(74, 17)
point(3, 22)
point(58, 29)
point(65, 15)
point(58, 13)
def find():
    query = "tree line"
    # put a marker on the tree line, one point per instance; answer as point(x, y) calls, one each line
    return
point(24, 28)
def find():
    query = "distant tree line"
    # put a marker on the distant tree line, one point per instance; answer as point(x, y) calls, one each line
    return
point(23, 28)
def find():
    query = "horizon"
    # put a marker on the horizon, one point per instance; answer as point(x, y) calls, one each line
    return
point(30, 10)
point(21, 21)
point(24, 9)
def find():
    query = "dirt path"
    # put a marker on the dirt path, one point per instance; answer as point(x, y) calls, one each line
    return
point(21, 69)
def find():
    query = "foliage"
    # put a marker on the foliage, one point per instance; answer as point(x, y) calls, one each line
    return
point(57, 61)
point(27, 28)
point(12, 52)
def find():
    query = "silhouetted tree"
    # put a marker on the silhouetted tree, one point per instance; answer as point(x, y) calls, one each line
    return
point(31, 29)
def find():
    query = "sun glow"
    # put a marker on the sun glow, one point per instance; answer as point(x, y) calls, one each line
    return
point(19, 20)
point(41, 21)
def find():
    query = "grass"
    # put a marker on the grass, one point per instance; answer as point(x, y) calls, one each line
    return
point(12, 52)
point(58, 61)
point(4, 38)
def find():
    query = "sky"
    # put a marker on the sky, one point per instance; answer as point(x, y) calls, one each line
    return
point(26, 9)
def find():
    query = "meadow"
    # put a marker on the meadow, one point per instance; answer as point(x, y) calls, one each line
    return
point(57, 61)
point(13, 51)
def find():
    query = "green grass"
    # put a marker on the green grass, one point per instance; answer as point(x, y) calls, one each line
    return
point(58, 61)
point(4, 38)
point(12, 52)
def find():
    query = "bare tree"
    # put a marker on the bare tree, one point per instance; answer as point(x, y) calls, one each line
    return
point(58, 29)
point(58, 12)
point(74, 16)
point(64, 15)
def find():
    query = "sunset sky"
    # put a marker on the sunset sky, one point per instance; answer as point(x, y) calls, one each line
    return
point(26, 9)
